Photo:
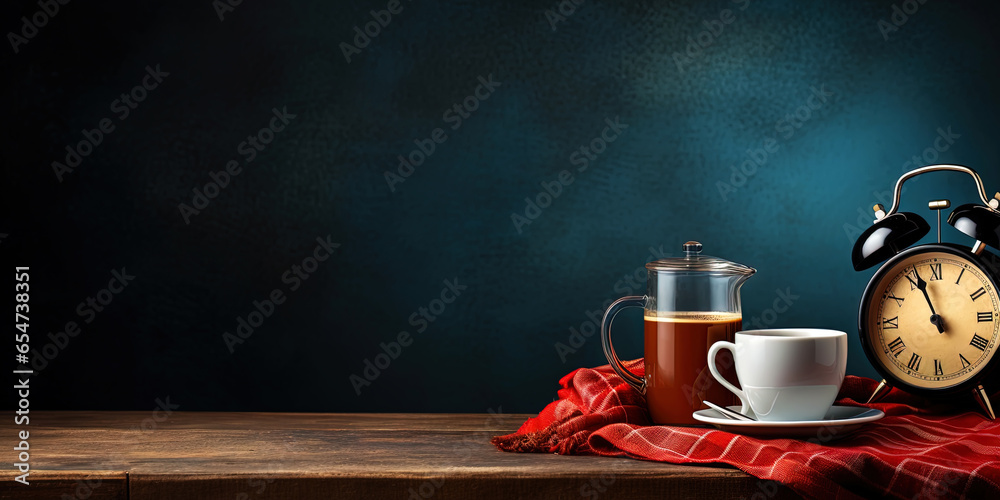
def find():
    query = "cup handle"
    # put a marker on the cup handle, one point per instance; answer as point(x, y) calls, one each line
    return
point(609, 351)
point(716, 347)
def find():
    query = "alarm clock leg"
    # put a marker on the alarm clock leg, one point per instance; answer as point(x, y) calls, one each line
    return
point(880, 391)
point(984, 401)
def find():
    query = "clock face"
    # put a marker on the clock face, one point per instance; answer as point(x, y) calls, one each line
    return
point(933, 319)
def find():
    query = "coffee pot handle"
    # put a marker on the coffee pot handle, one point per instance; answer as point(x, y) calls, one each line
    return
point(609, 316)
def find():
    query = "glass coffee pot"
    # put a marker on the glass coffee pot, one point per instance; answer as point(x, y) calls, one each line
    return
point(691, 302)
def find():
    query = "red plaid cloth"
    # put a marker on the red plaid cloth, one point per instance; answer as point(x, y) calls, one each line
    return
point(911, 453)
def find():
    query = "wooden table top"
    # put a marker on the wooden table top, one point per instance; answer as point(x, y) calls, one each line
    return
point(249, 456)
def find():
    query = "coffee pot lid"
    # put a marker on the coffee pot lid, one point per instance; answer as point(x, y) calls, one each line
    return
point(693, 261)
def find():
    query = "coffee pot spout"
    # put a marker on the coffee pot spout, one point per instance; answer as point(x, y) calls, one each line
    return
point(743, 278)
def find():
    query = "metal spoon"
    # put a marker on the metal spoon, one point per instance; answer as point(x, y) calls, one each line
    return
point(730, 414)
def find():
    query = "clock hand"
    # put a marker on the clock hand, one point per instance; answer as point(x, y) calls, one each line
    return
point(922, 286)
point(938, 322)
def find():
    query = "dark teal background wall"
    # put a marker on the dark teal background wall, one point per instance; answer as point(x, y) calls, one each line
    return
point(840, 106)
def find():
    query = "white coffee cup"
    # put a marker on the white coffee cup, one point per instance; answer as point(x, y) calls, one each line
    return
point(786, 374)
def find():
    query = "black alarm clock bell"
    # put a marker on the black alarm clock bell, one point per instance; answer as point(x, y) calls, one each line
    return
point(929, 319)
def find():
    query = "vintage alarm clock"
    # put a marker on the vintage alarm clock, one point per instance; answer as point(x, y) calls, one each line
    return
point(930, 317)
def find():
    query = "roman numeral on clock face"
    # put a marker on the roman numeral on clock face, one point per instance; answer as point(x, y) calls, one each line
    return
point(935, 272)
point(896, 346)
point(913, 282)
point(914, 363)
point(979, 342)
point(937, 367)
point(978, 293)
point(890, 323)
point(965, 362)
point(899, 301)
point(984, 316)
point(960, 276)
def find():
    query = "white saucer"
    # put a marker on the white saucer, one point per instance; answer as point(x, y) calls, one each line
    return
point(839, 421)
